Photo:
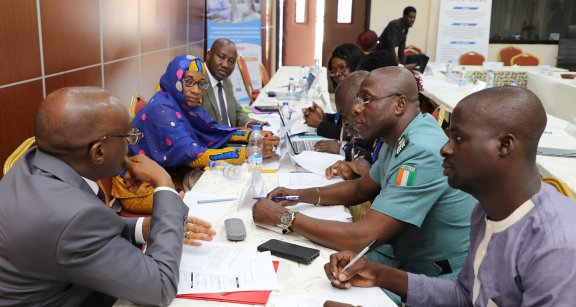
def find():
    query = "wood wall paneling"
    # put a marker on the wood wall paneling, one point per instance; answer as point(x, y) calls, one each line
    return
point(153, 25)
point(85, 77)
point(19, 42)
point(18, 107)
point(178, 23)
point(197, 22)
point(119, 29)
point(153, 67)
point(71, 34)
point(123, 79)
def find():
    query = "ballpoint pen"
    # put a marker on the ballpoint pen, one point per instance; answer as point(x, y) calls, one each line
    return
point(360, 255)
point(289, 197)
point(207, 201)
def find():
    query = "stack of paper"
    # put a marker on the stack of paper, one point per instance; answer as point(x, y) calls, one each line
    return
point(225, 267)
point(355, 296)
point(316, 162)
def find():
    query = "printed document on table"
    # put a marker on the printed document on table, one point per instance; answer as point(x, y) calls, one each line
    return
point(304, 180)
point(224, 267)
point(210, 212)
point(316, 162)
point(366, 297)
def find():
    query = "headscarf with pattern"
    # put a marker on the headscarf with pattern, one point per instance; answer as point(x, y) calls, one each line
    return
point(175, 133)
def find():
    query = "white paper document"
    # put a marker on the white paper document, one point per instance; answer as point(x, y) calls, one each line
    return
point(365, 297)
point(211, 212)
point(316, 162)
point(225, 267)
point(556, 138)
point(304, 180)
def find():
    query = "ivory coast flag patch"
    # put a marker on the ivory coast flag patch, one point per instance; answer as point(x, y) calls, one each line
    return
point(406, 175)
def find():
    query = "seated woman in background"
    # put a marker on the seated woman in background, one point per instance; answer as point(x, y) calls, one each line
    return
point(343, 61)
point(178, 132)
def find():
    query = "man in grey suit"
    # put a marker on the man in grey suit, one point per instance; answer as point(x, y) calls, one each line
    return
point(60, 245)
point(219, 98)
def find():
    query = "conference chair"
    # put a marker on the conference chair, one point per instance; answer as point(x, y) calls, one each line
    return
point(246, 78)
point(264, 74)
point(105, 183)
point(440, 115)
point(525, 59)
point(560, 186)
point(471, 58)
point(506, 54)
point(136, 104)
point(413, 48)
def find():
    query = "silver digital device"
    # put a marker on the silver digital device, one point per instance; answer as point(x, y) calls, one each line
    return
point(235, 230)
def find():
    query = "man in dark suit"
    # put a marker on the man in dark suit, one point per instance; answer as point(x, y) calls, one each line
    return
point(219, 98)
point(61, 246)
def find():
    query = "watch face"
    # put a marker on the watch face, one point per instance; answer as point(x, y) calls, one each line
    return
point(286, 218)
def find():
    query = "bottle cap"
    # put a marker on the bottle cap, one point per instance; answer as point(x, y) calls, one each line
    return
point(212, 164)
point(256, 127)
point(285, 103)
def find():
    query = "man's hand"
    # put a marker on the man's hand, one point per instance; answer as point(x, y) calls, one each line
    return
point(336, 304)
point(140, 168)
point(360, 167)
point(360, 274)
point(340, 168)
point(329, 146)
point(266, 212)
point(282, 191)
point(197, 230)
point(313, 115)
point(269, 144)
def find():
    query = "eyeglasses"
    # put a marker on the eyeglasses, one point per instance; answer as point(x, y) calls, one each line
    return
point(202, 83)
point(132, 138)
point(359, 101)
point(341, 69)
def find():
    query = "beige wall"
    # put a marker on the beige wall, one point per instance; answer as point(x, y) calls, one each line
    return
point(424, 32)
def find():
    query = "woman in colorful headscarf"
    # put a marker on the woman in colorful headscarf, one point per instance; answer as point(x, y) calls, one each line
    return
point(178, 132)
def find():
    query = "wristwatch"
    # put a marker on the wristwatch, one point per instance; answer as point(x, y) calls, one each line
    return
point(286, 220)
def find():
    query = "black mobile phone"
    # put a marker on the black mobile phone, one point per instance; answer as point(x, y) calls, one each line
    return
point(267, 108)
point(294, 252)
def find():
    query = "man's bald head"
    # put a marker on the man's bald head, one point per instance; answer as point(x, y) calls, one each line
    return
point(72, 117)
point(221, 42)
point(346, 91)
point(396, 80)
point(507, 110)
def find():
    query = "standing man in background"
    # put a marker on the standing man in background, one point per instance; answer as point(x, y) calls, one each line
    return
point(395, 33)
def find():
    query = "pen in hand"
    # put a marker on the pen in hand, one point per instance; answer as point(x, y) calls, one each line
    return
point(360, 255)
point(289, 197)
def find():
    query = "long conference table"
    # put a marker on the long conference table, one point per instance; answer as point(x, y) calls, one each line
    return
point(294, 278)
point(560, 130)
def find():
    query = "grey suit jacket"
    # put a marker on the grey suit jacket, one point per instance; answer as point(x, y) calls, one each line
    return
point(60, 246)
point(238, 118)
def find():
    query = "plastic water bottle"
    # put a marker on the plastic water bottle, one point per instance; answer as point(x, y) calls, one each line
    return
point(286, 110)
point(512, 82)
point(292, 89)
point(448, 70)
point(302, 72)
point(462, 81)
point(229, 171)
point(255, 142)
point(490, 79)
point(304, 87)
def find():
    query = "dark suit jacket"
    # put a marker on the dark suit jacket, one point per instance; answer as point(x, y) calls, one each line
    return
point(60, 246)
point(238, 118)
point(331, 127)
